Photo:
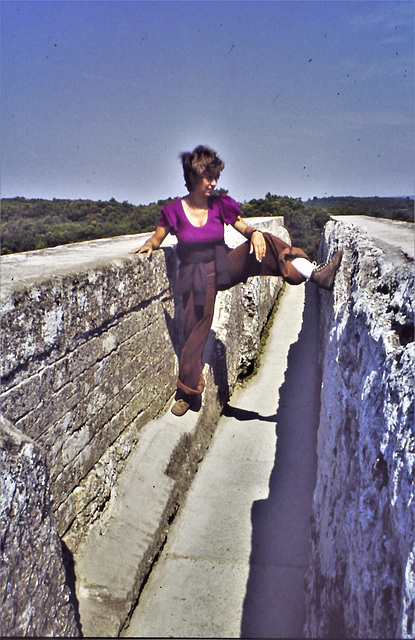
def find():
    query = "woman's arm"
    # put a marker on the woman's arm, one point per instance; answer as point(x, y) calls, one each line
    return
point(154, 242)
point(254, 235)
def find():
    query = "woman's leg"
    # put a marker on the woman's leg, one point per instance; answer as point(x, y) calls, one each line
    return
point(276, 262)
point(197, 323)
point(282, 260)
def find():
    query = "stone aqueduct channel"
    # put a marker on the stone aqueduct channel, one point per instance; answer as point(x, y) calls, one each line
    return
point(294, 516)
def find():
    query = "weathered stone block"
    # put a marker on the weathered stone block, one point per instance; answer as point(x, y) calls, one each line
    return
point(35, 598)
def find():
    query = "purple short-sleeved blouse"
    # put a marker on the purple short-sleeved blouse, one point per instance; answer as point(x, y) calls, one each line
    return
point(222, 210)
point(198, 245)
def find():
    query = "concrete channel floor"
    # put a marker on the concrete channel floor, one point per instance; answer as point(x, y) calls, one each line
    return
point(236, 554)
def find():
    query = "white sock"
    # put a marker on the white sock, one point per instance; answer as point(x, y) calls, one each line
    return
point(303, 266)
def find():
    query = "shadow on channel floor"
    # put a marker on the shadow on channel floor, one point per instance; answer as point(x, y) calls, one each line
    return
point(274, 605)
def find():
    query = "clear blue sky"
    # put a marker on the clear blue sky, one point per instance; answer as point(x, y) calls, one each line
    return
point(299, 98)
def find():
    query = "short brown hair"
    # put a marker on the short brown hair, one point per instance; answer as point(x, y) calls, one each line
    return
point(202, 162)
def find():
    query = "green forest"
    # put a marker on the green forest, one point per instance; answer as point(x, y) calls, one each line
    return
point(30, 224)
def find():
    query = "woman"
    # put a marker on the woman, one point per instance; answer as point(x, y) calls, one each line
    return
point(208, 266)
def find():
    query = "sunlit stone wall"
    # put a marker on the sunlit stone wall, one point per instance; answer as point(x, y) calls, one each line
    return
point(361, 581)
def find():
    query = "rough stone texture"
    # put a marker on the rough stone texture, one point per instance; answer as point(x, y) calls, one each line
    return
point(86, 354)
point(361, 581)
point(35, 600)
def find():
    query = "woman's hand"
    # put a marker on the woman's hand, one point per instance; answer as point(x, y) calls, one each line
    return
point(256, 237)
point(153, 243)
point(147, 248)
point(258, 245)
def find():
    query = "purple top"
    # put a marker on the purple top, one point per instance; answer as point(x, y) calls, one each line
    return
point(221, 210)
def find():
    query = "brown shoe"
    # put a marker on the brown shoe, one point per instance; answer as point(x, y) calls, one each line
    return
point(324, 274)
point(182, 405)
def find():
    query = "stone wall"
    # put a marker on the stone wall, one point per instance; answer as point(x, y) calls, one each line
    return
point(90, 337)
point(87, 354)
point(361, 581)
point(35, 600)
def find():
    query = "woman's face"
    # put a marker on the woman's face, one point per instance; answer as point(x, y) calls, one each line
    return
point(205, 186)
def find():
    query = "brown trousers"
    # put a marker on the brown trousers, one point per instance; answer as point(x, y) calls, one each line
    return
point(198, 320)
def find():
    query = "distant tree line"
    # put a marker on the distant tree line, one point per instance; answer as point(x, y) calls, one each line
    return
point(29, 224)
point(393, 208)
point(36, 224)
